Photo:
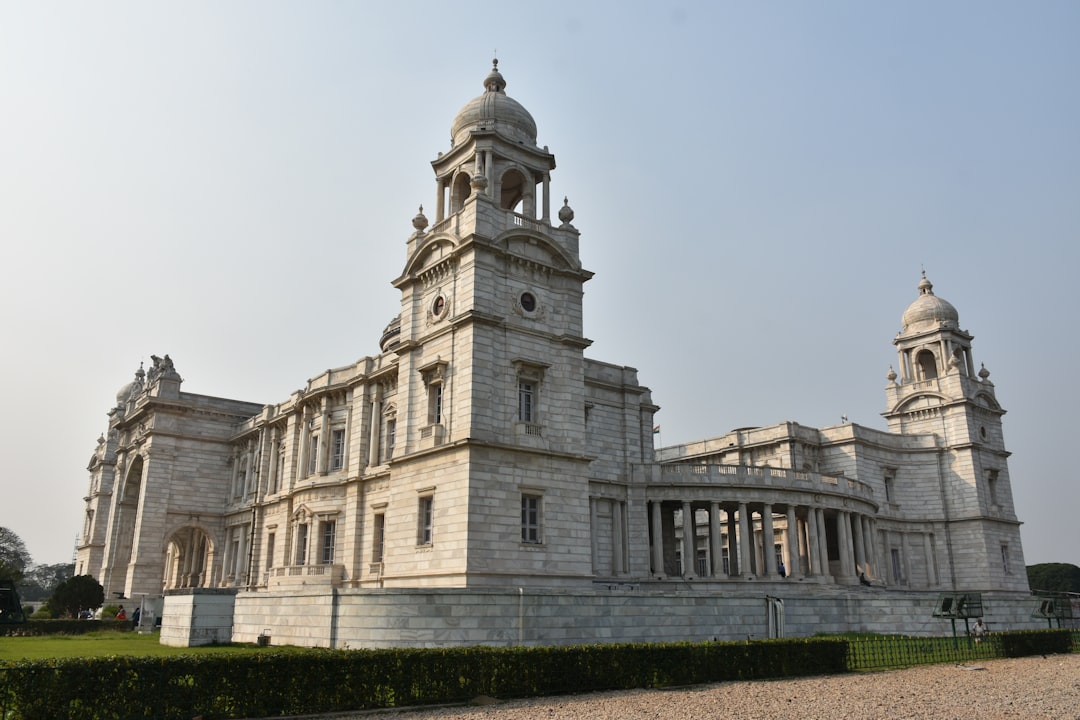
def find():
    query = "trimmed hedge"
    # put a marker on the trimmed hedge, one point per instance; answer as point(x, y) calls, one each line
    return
point(297, 682)
point(34, 628)
point(1039, 642)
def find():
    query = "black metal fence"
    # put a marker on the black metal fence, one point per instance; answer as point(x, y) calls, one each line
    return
point(887, 652)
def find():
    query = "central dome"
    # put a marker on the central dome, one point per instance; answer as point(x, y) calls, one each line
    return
point(928, 310)
point(494, 110)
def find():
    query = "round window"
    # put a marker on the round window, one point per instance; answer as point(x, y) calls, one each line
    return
point(438, 306)
point(528, 302)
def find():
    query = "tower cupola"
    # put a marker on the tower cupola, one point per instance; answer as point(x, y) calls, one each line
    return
point(928, 310)
point(494, 110)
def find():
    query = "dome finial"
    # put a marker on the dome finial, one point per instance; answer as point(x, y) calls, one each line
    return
point(494, 82)
point(925, 286)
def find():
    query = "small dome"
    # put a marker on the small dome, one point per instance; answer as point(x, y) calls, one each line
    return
point(124, 393)
point(494, 110)
point(928, 310)
point(391, 335)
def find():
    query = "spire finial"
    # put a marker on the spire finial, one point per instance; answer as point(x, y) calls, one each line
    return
point(925, 286)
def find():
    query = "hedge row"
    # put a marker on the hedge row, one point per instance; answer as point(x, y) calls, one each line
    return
point(34, 628)
point(296, 682)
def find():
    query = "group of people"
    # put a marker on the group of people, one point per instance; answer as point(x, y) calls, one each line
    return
point(121, 614)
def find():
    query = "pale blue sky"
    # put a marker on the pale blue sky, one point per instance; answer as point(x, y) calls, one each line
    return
point(757, 185)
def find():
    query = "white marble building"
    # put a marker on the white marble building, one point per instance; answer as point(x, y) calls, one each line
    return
point(479, 480)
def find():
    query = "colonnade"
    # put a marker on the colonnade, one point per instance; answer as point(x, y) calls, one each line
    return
point(692, 540)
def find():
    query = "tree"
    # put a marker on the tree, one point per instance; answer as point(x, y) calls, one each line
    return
point(40, 581)
point(14, 559)
point(81, 592)
point(1054, 577)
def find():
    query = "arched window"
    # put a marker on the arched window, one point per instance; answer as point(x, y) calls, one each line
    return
point(513, 190)
point(927, 365)
point(459, 193)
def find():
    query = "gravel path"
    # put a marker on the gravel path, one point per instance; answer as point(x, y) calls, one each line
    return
point(1037, 687)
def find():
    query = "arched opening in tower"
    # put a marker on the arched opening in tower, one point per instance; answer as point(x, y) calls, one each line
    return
point(927, 365)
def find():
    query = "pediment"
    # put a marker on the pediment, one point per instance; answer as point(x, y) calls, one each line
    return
point(538, 249)
point(922, 401)
point(435, 251)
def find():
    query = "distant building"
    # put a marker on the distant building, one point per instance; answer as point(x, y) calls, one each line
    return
point(481, 481)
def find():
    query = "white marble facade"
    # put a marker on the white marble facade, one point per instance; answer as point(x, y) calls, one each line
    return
point(480, 450)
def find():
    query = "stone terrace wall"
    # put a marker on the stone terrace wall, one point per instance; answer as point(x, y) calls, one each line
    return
point(438, 618)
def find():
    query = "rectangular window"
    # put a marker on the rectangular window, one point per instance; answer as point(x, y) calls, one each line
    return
point(280, 480)
point(423, 530)
point(337, 449)
point(726, 560)
point(778, 550)
point(530, 519)
point(897, 575)
point(526, 401)
point(301, 544)
point(1005, 558)
point(378, 534)
point(313, 455)
point(889, 490)
point(391, 437)
point(329, 529)
point(435, 398)
point(270, 550)
point(702, 563)
point(991, 486)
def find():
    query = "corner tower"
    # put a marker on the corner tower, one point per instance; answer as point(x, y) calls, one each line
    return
point(938, 392)
point(491, 373)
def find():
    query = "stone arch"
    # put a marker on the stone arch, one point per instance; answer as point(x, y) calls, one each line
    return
point(189, 555)
point(460, 191)
point(926, 361)
point(516, 192)
point(127, 514)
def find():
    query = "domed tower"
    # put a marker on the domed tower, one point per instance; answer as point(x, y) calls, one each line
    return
point(491, 371)
point(939, 392)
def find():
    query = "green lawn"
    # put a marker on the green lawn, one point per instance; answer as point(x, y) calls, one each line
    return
point(99, 644)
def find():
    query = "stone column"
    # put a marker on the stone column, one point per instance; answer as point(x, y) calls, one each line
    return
point(324, 436)
point(808, 537)
point(905, 553)
point(594, 520)
point(275, 455)
point(489, 170)
point(376, 424)
point(547, 197)
point(734, 568)
point(823, 542)
point(860, 544)
point(745, 542)
point(931, 577)
point(689, 542)
point(346, 455)
point(618, 539)
point(768, 541)
point(872, 549)
point(658, 540)
point(249, 468)
point(849, 538)
point(715, 545)
point(440, 200)
point(794, 564)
